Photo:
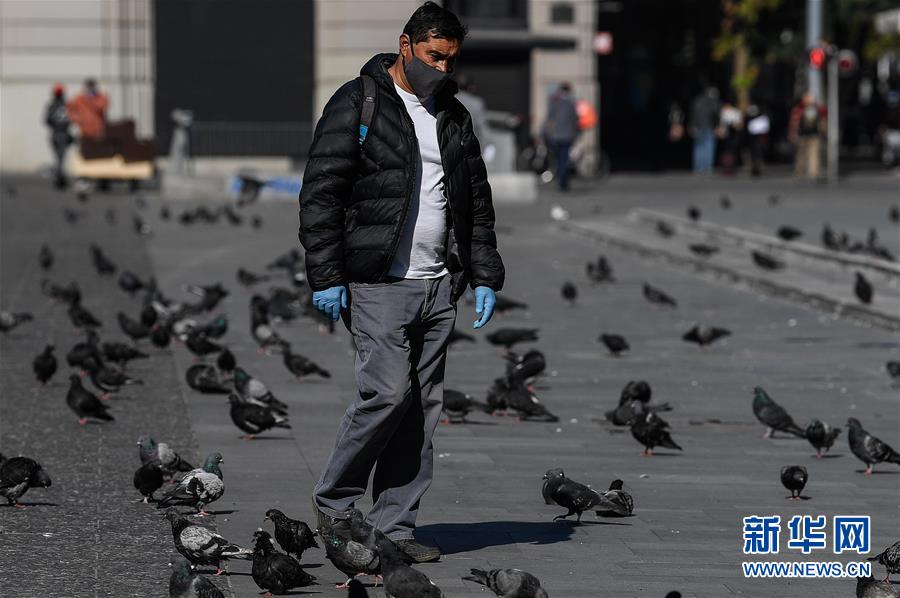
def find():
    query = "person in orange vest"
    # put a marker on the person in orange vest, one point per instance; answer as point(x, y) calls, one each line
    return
point(88, 111)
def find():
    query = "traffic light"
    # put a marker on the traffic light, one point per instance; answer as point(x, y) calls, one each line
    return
point(817, 57)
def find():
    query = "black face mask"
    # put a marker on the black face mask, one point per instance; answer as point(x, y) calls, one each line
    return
point(425, 80)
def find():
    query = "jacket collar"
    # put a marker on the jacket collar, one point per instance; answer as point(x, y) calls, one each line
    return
point(377, 68)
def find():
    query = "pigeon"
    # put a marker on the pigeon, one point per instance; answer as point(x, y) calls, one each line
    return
point(508, 583)
point(199, 344)
point(654, 295)
point(893, 370)
point(210, 296)
point(45, 257)
point(821, 436)
point(617, 495)
point(794, 478)
point(275, 572)
point(226, 362)
point(862, 288)
point(215, 328)
point(868, 448)
point(349, 557)
point(202, 546)
point(71, 293)
point(625, 413)
point(525, 367)
point(285, 304)
point(401, 580)
point(204, 378)
point(17, 475)
point(73, 216)
point(79, 354)
point(507, 337)
point(102, 264)
point(10, 320)
point(497, 393)
point(108, 379)
point(664, 229)
point(573, 496)
point(198, 488)
point(160, 336)
point(705, 335)
point(635, 390)
point(132, 328)
point(254, 419)
point(184, 583)
point(830, 239)
point(766, 261)
point(252, 390)
point(161, 453)
point(165, 213)
point(355, 589)
point(121, 353)
point(286, 261)
point(301, 366)
point(702, 249)
point(788, 233)
point(44, 365)
point(129, 282)
point(294, 537)
point(457, 405)
point(773, 416)
point(148, 478)
point(84, 403)
point(81, 317)
point(569, 293)
point(526, 404)
point(615, 343)
point(693, 213)
point(149, 316)
point(248, 279)
point(869, 587)
point(890, 558)
point(650, 430)
point(600, 271)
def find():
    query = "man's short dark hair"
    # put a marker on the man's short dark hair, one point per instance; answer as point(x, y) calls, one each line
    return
point(432, 20)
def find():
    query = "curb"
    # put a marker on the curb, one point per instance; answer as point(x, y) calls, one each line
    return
point(835, 307)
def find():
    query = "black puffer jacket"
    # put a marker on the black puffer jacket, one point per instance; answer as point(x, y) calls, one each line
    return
point(354, 199)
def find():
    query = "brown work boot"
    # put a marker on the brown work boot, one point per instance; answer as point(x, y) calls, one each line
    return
point(419, 553)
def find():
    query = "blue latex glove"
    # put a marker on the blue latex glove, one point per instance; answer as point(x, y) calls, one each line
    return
point(485, 300)
point(331, 301)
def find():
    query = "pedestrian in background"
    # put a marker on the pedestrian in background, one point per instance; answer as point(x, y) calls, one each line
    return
point(704, 120)
point(88, 111)
point(561, 128)
point(806, 127)
point(756, 131)
point(478, 110)
point(731, 123)
point(56, 118)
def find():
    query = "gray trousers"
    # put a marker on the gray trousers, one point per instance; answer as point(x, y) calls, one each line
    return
point(400, 329)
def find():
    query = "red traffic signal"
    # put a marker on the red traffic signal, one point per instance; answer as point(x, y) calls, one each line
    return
point(817, 58)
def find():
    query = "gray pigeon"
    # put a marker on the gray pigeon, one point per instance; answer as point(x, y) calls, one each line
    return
point(349, 557)
point(890, 558)
point(169, 461)
point(508, 583)
point(574, 496)
point(869, 587)
point(17, 475)
point(821, 436)
point(202, 546)
point(198, 488)
point(868, 448)
point(618, 496)
point(773, 415)
point(184, 583)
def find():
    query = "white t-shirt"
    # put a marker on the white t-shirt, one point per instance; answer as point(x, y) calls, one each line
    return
point(421, 252)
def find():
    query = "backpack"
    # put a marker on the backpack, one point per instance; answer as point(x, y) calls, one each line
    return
point(367, 110)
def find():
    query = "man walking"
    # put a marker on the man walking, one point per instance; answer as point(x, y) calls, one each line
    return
point(704, 123)
point(57, 120)
point(396, 218)
point(807, 124)
point(560, 131)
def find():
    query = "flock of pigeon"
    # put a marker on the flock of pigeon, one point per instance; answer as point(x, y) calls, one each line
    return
point(99, 370)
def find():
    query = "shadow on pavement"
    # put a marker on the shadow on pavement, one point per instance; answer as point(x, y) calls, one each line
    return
point(453, 538)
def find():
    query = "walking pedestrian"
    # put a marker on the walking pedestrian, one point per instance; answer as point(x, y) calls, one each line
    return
point(805, 129)
point(755, 133)
point(561, 128)
point(396, 218)
point(88, 111)
point(730, 124)
point(57, 120)
point(704, 121)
